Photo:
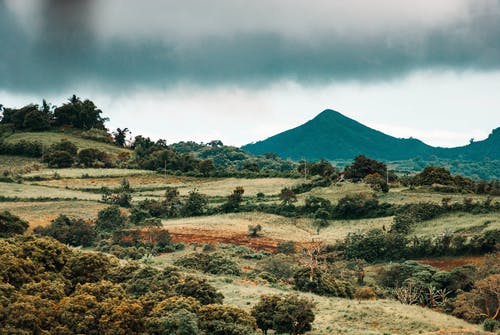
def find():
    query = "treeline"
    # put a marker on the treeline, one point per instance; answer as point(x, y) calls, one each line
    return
point(75, 113)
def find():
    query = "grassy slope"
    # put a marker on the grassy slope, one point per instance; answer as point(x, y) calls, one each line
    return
point(48, 138)
point(41, 213)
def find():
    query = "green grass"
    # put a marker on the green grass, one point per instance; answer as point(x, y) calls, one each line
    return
point(458, 222)
point(48, 173)
point(26, 191)
point(48, 138)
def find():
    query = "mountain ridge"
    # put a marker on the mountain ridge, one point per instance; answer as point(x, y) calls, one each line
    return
point(332, 135)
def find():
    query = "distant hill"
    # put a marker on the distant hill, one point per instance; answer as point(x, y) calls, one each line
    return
point(331, 135)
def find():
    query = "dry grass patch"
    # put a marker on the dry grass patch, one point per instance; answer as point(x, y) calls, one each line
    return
point(403, 195)
point(41, 213)
point(274, 226)
point(17, 163)
point(336, 191)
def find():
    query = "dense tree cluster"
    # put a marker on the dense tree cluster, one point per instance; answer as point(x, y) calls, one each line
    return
point(46, 288)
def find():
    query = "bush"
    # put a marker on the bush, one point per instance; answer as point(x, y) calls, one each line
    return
point(290, 314)
point(11, 225)
point(491, 325)
point(75, 232)
point(226, 320)
point(280, 266)
point(99, 135)
point(59, 159)
point(200, 290)
point(94, 158)
point(322, 284)
point(359, 206)
point(213, 263)
point(110, 219)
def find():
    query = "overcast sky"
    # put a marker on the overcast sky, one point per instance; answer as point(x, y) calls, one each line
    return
point(243, 70)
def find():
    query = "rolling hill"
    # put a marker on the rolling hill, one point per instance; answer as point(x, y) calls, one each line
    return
point(331, 135)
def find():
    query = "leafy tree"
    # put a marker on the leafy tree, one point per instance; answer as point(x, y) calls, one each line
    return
point(362, 166)
point(82, 115)
point(61, 154)
point(206, 166)
point(91, 157)
point(178, 322)
point(294, 315)
point(11, 224)
point(75, 232)
point(110, 219)
point(195, 204)
point(234, 200)
point(120, 136)
point(287, 197)
point(264, 311)
point(121, 196)
point(377, 182)
point(36, 120)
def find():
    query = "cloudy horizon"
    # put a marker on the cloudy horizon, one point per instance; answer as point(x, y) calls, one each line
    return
point(241, 71)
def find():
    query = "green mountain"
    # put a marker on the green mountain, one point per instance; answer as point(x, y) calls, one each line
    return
point(333, 136)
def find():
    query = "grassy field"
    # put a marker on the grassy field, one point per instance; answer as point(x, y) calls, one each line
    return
point(26, 191)
point(350, 317)
point(75, 173)
point(48, 138)
point(337, 315)
point(16, 163)
point(458, 222)
point(41, 213)
point(275, 227)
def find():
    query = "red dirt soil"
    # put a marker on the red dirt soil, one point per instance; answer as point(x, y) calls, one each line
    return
point(448, 264)
point(215, 236)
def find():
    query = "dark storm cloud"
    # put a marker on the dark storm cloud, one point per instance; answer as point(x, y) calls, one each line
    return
point(70, 42)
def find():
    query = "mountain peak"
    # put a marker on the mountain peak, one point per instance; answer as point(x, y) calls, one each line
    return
point(332, 135)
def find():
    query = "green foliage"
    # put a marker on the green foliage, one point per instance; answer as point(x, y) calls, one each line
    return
point(226, 320)
point(234, 200)
point(285, 314)
point(209, 263)
point(254, 230)
point(280, 266)
point(99, 135)
point(200, 290)
point(94, 158)
point(75, 232)
point(36, 120)
point(121, 196)
point(110, 219)
point(11, 225)
point(360, 205)
point(322, 284)
point(363, 167)
point(195, 204)
point(21, 148)
point(61, 154)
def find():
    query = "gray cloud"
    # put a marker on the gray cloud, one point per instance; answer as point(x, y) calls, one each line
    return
point(127, 43)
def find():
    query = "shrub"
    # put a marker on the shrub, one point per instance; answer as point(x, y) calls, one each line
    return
point(11, 225)
point(110, 219)
point(195, 204)
point(226, 320)
point(59, 159)
point(322, 284)
point(280, 266)
point(213, 263)
point(200, 290)
point(96, 134)
point(75, 232)
point(94, 158)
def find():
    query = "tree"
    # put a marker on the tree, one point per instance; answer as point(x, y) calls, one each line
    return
point(61, 154)
point(233, 200)
point(11, 224)
point(110, 219)
point(254, 230)
point(120, 136)
point(287, 197)
point(195, 204)
point(75, 232)
point(363, 166)
point(264, 310)
point(37, 121)
point(290, 314)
